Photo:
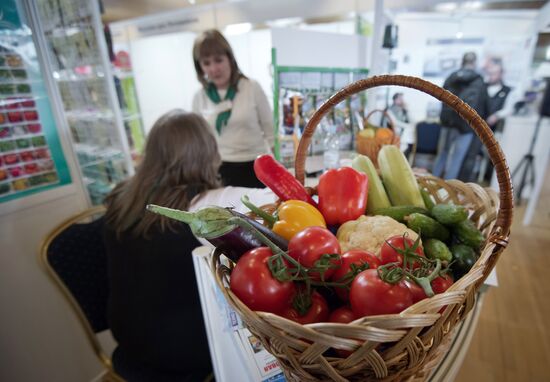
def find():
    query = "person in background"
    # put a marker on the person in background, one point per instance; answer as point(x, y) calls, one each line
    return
point(500, 105)
point(399, 108)
point(235, 107)
point(154, 308)
point(398, 111)
point(467, 84)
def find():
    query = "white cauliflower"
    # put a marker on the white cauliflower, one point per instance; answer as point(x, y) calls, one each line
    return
point(368, 233)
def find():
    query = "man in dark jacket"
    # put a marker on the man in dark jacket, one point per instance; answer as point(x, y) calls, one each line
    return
point(468, 85)
point(498, 108)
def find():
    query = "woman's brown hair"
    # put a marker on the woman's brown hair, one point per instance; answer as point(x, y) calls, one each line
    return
point(211, 42)
point(181, 160)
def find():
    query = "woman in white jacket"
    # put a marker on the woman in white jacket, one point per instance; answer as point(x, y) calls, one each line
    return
point(235, 107)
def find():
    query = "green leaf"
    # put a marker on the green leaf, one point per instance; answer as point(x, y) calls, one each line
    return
point(208, 222)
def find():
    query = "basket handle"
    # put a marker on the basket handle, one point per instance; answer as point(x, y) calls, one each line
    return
point(505, 212)
point(386, 114)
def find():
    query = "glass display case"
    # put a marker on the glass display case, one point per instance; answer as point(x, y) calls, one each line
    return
point(75, 50)
point(298, 92)
point(126, 90)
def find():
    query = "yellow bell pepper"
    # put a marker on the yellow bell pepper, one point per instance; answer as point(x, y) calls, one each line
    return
point(294, 216)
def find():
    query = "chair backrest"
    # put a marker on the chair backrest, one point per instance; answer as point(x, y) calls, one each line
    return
point(427, 137)
point(74, 257)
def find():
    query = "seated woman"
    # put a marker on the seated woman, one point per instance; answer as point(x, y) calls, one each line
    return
point(154, 308)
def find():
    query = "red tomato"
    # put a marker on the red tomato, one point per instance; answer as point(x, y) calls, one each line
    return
point(252, 282)
point(318, 312)
point(369, 295)
point(342, 314)
point(439, 285)
point(358, 258)
point(442, 283)
point(390, 255)
point(308, 245)
point(416, 291)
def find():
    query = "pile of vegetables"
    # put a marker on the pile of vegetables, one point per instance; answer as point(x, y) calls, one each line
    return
point(368, 245)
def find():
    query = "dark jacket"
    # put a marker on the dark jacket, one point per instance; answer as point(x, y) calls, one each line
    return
point(467, 85)
point(497, 101)
point(154, 309)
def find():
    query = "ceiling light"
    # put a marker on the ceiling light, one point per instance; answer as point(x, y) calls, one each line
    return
point(446, 7)
point(471, 5)
point(459, 35)
point(240, 28)
point(281, 23)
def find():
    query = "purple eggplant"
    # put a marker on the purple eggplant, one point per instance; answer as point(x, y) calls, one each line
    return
point(217, 225)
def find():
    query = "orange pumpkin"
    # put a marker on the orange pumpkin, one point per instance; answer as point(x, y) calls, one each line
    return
point(384, 136)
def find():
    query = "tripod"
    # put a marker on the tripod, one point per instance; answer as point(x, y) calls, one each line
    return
point(526, 165)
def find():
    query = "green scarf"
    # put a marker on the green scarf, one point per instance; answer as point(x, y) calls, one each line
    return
point(223, 117)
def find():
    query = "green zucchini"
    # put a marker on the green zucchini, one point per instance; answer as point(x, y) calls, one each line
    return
point(377, 197)
point(398, 178)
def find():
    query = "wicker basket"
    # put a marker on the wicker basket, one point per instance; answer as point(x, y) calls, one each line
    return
point(401, 346)
point(371, 146)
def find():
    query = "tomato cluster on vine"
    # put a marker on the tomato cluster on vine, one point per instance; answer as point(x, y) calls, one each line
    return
point(295, 284)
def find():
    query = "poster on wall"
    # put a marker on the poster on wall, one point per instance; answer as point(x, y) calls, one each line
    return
point(444, 56)
point(31, 158)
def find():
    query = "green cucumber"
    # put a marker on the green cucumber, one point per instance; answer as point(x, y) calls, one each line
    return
point(427, 227)
point(468, 234)
point(449, 213)
point(399, 212)
point(464, 258)
point(436, 249)
point(427, 199)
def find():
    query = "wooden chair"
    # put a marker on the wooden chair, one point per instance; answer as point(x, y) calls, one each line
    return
point(74, 257)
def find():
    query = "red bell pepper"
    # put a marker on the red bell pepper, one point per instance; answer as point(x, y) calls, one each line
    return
point(275, 176)
point(342, 195)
